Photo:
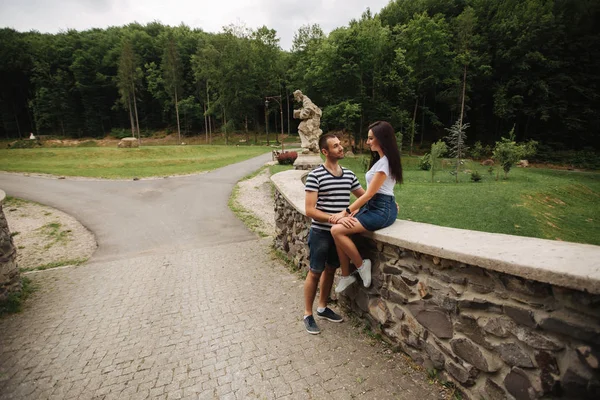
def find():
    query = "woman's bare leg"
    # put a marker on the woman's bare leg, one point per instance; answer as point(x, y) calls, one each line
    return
point(343, 243)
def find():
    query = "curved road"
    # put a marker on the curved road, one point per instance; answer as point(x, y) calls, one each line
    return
point(130, 218)
point(180, 301)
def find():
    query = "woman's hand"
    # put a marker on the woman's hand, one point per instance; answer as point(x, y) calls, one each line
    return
point(334, 218)
point(348, 222)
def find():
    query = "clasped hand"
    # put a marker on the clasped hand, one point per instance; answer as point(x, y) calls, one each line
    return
point(342, 218)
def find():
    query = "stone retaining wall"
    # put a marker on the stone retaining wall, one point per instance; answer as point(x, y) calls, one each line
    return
point(9, 271)
point(497, 335)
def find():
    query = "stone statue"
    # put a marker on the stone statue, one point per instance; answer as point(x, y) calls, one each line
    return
point(308, 129)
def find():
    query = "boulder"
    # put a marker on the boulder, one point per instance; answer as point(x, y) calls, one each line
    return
point(128, 142)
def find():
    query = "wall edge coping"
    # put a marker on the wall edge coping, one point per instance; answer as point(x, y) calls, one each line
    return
point(2, 196)
point(567, 264)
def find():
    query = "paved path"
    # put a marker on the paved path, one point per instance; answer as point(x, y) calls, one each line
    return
point(180, 301)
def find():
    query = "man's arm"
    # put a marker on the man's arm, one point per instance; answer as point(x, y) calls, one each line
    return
point(310, 205)
point(358, 192)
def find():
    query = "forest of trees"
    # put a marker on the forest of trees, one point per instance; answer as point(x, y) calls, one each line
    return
point(421, 64)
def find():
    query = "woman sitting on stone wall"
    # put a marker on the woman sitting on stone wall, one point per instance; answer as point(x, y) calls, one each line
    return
point(376, 209)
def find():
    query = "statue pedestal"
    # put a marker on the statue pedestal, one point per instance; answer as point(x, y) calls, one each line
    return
point(307, 161)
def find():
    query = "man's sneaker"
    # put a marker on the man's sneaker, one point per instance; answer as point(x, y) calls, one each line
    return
point(311, 325)
point(329, 315)
point(344, 282)
point(365, 272)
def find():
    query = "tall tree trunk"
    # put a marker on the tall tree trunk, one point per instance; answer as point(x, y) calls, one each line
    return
point(462, 105)
point(246, 128)
point(205, 126)
point(423, 119)
point(132, 123)
point(414, 120)
point(287, 99)
point(281, 115)
point(208, 109)
point(17, 120)
point(177, 115)
point(225, 128)
point(137, 120)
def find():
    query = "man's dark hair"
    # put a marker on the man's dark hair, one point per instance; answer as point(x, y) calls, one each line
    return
point(384, 133)
point(323, 145)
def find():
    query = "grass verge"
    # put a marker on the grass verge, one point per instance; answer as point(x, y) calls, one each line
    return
point(14, 302)
point(109, 162)
point(535, 202)
point(246, 216)
point(56, 264)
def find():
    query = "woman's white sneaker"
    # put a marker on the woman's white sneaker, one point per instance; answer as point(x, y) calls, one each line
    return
point(344, 282)
point(365, 272)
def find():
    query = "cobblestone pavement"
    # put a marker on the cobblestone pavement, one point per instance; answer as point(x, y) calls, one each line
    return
point(219, 322)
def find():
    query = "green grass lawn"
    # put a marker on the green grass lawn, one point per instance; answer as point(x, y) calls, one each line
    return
point(543, 203)
point(110, 162)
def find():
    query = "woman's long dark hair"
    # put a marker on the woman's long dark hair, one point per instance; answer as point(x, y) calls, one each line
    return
point(384, 133)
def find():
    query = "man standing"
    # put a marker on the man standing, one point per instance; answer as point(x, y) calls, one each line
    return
point(328, 189)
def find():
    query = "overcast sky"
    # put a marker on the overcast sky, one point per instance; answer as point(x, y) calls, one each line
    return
point(285, 16)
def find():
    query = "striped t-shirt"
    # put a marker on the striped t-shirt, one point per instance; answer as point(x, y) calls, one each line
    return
point(333, 191)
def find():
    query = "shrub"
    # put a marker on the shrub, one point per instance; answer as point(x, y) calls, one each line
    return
point(475, 176)
point(507, 152)
point(287, 157)
point(25, 144)
point(88, 143)
point(478, 151)
point(118, 133)
point(425, 162)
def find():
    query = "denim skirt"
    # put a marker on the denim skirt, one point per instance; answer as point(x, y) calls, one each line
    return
point(379, 212)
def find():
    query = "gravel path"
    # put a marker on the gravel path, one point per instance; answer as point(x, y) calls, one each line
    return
point(46, 236)
point(255, 195)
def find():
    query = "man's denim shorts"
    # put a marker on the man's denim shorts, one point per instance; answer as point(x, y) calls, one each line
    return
point(322, 250)
point(379, 212)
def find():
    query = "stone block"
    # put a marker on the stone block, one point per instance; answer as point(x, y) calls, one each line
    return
point(479, 304)
point(498, 326)
point(526, 287)
point(478, 279)
point(588, 356)
point(433, 318)
point(394, 297)
point(588, 331)
point(492, 391)
point(578, 301)
point(390, 268)
point(549, 373)
point(398, 313)
point(537, 340)
point(475, 355)
point(398, 283)
point(362, 300)
point(520, 315)
point(410, 280)
point(461, 374)
point(467, 325)
point(410, 338)
point(410, 264)
point(379, 311)
point(521, 385)
point(391, 251)
point(435, 355)
point(514, 355)
point(576, 380)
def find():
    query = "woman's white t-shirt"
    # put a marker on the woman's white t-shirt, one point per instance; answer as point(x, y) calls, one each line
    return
point(382, 165)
